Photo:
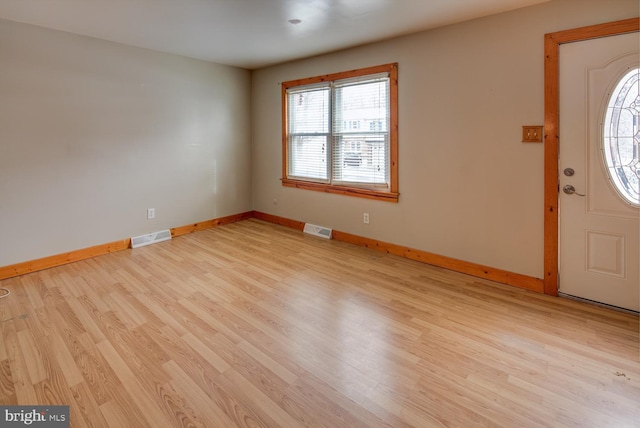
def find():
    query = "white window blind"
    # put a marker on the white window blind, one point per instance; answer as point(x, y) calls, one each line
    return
point(309, 133)
point(338, 132)
point(360, 131)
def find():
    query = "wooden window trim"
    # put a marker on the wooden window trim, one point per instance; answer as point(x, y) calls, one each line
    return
point(390, 195)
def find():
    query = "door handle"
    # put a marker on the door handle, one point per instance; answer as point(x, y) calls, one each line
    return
point(570, 190)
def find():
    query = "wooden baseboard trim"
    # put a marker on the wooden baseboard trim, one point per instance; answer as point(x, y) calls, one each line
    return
point(62, 259)
point(99, 250)
point(473, 269)
point(294, 224)
point(208, 224)
point(498, 275)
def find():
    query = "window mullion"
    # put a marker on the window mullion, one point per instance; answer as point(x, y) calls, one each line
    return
point(331, 138)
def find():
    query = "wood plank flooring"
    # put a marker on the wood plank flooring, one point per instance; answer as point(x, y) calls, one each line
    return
point(257, 325)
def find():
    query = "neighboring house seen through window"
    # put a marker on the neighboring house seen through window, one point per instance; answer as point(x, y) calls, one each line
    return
point(340, 133)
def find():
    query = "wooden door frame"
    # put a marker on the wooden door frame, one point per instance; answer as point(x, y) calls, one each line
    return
point(552, 42)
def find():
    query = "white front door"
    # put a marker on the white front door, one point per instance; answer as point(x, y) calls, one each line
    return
point(599, 233)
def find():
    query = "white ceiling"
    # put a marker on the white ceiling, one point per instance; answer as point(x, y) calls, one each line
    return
point(249, 33)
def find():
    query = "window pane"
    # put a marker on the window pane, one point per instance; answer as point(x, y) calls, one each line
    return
point(361, 158)
point(309, 111)
point(621, 137)
point(360, 126)
point(361, 106)
point(308, 157)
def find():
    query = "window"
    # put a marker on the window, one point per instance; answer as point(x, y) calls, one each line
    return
point(621, 137)
point(340, 133)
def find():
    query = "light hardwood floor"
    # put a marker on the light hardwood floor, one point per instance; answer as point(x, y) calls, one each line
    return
point(252, 324)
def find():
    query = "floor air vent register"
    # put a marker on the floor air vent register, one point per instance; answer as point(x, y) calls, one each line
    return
point(150, 238)
point(321, 231)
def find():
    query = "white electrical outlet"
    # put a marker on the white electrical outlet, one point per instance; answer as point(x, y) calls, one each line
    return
point(365, 218)
point(151, 213)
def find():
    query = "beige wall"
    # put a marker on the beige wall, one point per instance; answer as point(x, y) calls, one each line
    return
point(93, 133)
point(469, 189)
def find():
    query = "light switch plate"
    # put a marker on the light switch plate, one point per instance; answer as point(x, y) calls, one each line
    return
point(532, 134)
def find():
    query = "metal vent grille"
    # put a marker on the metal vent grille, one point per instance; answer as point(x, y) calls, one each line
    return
point(150, 238)
point(321, 231)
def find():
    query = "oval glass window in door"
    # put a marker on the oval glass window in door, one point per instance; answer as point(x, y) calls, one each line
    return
point(621, 137)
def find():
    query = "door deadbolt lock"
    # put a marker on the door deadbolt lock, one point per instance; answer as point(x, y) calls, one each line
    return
point(569, 172)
